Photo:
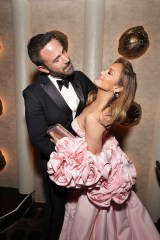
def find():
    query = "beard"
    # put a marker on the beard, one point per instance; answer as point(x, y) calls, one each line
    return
point(67, 71)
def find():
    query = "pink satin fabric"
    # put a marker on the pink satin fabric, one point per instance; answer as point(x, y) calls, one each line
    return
point(108, 176)
point(127, 221)
point(101, 204)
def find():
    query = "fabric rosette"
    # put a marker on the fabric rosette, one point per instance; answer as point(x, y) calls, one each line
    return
point(108, 176)
point(71, 165)
point(122, 176)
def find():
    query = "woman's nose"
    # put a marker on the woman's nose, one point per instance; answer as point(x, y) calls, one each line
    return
point(102, 73)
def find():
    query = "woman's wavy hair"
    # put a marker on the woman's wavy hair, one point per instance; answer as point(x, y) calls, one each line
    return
point(121, 105)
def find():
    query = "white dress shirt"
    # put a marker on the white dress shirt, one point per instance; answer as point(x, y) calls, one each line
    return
point(68, 94)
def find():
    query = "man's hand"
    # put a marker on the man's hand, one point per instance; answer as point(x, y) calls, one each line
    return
point(106, 118)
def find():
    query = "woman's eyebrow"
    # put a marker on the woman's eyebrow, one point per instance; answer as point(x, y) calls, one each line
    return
point(111, 70)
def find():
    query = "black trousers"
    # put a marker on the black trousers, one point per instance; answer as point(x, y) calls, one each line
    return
point(54, 208)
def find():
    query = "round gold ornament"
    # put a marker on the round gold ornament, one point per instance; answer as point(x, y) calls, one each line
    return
point(133, 43)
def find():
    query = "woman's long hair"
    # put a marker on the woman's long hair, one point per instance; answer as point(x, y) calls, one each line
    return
point(120, 105)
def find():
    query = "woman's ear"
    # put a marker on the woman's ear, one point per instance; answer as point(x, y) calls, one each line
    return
point(117, 90)
point(43, 69)
point(120, 89)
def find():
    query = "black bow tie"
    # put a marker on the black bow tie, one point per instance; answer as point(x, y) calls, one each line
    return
point(63, 82)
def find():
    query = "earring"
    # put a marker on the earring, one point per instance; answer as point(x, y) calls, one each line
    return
point(116, 94)
point(117, 91)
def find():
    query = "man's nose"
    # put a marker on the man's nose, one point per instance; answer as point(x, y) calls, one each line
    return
point(65, 58)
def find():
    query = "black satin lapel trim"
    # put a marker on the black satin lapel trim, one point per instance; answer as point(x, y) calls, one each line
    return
point(51, 90)
point(78, 89)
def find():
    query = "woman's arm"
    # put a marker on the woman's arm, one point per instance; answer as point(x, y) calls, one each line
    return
point(94, 132)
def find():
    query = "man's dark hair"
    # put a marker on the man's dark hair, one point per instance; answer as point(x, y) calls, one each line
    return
point(37, 43)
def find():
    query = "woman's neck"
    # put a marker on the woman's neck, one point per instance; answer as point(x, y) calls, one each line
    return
point(102, 101)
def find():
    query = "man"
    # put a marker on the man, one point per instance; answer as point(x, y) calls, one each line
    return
point(48, 102)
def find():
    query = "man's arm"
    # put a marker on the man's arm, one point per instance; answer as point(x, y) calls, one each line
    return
point(106, 119)
point(37, 125)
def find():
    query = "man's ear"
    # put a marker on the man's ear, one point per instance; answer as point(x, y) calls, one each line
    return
point(43, 69)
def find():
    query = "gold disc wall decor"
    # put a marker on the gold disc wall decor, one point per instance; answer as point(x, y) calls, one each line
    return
point(133, 43)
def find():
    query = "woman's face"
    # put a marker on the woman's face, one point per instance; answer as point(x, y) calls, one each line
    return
point(109, 78)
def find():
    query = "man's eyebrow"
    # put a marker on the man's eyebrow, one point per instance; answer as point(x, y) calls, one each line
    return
point(58, 55)
point(55, 58)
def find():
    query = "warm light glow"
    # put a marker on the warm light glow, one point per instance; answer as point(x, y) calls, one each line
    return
point(3, 106)
point(2, 160)
point(5, 154)
point(1, 49)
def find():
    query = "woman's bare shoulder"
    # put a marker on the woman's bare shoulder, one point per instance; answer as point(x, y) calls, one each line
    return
point(93, 117)
point(92, 120)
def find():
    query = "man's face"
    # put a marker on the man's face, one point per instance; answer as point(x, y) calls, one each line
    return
point(56, 60)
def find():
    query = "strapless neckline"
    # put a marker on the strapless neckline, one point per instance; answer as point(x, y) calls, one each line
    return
point(77, 128)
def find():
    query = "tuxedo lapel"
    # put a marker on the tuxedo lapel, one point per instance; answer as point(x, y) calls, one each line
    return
point(54, 94)
point(78, 89)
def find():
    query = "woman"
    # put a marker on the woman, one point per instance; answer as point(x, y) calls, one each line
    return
point(101, 205)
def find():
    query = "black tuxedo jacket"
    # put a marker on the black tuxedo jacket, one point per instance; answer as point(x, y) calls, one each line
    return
point(44, 107)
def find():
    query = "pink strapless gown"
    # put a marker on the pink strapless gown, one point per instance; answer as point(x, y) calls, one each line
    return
point(101, 204)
